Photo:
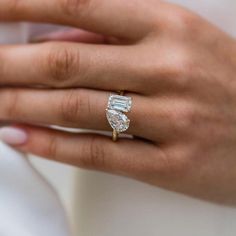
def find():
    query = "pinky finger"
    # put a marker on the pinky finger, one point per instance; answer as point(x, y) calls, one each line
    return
point(91, 151)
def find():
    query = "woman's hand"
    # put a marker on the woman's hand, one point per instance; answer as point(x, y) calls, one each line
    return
point(179, 70)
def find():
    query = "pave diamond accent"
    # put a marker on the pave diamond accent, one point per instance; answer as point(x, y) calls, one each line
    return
point(118, 120)
point(119, 103)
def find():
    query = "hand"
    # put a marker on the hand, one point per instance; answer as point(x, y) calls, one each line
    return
point(179, 70)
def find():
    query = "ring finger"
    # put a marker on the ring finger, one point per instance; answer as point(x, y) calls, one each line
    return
point(77, 108)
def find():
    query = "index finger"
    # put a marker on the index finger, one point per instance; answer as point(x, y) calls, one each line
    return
point(120, 18)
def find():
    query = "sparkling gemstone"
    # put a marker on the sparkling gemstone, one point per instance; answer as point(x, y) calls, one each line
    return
point(118, 120)
point(120, 103)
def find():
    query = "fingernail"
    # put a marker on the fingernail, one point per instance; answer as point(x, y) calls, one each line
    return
point(13, 136)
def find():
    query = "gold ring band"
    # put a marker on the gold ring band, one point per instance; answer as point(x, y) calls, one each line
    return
point(115, 135)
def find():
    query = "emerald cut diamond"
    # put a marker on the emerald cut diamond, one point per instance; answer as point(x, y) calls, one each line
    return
point(119, 103)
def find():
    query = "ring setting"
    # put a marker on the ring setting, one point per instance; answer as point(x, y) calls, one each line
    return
point(117, 106)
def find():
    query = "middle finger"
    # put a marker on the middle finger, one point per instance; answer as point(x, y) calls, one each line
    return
point(70, 65)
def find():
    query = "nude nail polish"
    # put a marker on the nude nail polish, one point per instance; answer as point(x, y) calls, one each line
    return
point(13, 136)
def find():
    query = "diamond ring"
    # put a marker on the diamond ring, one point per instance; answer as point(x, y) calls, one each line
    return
point(117, 106)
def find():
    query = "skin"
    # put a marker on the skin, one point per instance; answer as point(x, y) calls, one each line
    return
point(178, 68)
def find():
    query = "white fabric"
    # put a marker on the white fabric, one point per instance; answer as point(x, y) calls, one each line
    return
point(28, 204)
point(106, 205)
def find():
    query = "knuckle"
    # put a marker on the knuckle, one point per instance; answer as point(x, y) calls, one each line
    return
point(165, 166)
point(180, 60)
point(11, 107)
point(180, 166)
point(74, 7)
point(177, 69)
point(50, 150)
point(94, 154)
point(75, 106)
point(180, 163)
point(172, 164)
point(183, 21)
point(173, 68)
point(61, 64)
point(184, 117)
point(180, 68)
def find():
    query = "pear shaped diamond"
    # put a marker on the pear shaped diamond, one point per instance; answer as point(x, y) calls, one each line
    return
point(118, 120)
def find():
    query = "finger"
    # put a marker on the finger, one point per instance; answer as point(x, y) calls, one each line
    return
point(70, 65)
point(82, 108)
point(71, 108)
point(86, 150)
point(75, 35)
point(117, 18)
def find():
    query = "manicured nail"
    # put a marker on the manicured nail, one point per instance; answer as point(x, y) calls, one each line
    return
point(13, 136)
